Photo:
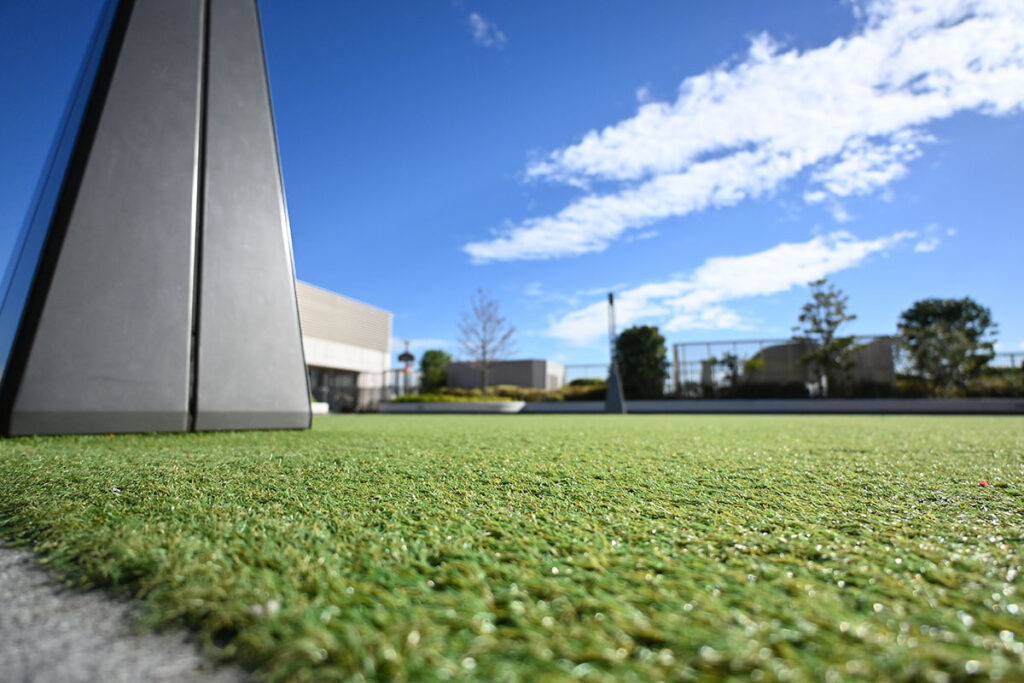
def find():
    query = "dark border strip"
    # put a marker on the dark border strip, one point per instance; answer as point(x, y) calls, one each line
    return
point(200, 216)
point(61, 218)
point(796, 406)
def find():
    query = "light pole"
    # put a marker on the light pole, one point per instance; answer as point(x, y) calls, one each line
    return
point(407, 358)
point(614, 402)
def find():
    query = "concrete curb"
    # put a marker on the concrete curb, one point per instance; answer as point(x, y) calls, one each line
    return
point(801, 406)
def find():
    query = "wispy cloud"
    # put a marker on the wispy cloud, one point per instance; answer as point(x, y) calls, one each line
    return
point(486, 32)
point(538, 293)
point(864, 165)
point(931, 240)
point(696, 301)
point(645, 235)
point(852, 113)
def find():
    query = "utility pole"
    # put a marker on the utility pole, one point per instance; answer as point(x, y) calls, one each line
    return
point(614, 401)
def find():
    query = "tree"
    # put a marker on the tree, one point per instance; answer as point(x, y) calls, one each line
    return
point(948, 340)
point(640, 352)
point(820, 318)
point(731, 362)
point(484, 334)
point(434, 370)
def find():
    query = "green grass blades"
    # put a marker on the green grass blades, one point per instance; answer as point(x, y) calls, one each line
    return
point(550, 547)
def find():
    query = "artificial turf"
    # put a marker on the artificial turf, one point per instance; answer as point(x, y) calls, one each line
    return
point(544, 547)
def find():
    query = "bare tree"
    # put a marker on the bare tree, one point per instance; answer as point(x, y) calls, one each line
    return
point(484, 334)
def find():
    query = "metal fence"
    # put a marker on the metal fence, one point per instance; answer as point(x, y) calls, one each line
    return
point(586, 371)
point(691, 368)
point(694, 363)
point(397, 382)
point(688, 362)
point(1010, 359)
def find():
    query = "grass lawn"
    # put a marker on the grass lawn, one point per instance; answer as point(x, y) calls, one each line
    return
point(544, 547)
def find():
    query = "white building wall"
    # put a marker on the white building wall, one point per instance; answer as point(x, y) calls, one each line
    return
point(325, 353)
point(344, 334)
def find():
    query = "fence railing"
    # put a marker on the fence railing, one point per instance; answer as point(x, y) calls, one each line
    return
point(586, 371)
point(688, 371)
point(693, 363)
point(1008, 359)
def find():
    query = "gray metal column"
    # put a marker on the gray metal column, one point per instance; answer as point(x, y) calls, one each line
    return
point(111, 346)
point(152, 288)
point(251, 372)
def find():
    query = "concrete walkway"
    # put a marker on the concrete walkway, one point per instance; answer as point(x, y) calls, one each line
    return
point(48, 633)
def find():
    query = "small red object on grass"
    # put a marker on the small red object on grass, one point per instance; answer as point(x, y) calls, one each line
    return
point(984, 483)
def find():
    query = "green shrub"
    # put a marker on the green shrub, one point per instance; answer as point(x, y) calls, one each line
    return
point(458, 391)
point(584, 392)
point(588, 382)
point(519, 393)
point(588, 390)
point(864, 389)
point(998, 386)
point(767, 390)
point(913, 387)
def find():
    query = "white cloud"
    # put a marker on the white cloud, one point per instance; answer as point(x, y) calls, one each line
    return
point(851, 112)
point(931, 240)
point(839, 213)
point(533, 289)
point(857, 7)
point(864, 165)
point(645, 235)
point(643, 94)
point(486, 32)
point(591, 223)
point(696, 301)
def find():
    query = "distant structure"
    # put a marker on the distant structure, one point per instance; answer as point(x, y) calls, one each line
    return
point(614, 401)
point(767, 365)
point(348, 349)
point(782, 363)
point(531, 374)
point(152, 288)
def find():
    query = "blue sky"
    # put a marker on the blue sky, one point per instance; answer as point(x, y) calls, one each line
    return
point(702, 160)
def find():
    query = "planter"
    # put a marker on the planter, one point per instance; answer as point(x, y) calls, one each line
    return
point(484, 407)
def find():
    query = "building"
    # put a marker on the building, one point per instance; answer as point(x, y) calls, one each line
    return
point(533, 374)
point(781, 364)
point(348, 349)
point(871, 363)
